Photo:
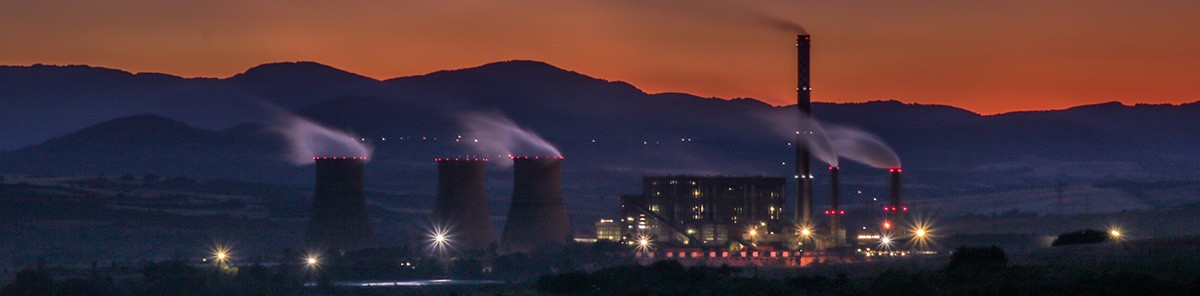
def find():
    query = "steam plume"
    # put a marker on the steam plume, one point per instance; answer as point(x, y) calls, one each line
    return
point(308, 139)
point(830, 141)
point(500, 136)
point(789, 126)
point(777, 22)
point(861, 146)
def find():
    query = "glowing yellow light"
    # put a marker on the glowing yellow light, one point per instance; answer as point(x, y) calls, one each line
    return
point(806, 232)
point(221, 254)
point(753, 232)
point(311, 261)
point(1115, 233)
point(920, 233)
point(887, 225)
point(644, 243)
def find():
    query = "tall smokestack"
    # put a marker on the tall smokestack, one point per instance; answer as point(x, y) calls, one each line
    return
point(803, 216)
point(461, 204)
point(339, 213)
point(895, 209)
point(536, 218)
point(835, 213)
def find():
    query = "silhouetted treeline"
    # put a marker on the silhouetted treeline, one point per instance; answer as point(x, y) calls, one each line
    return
point(1086, 236)
point(971, 271)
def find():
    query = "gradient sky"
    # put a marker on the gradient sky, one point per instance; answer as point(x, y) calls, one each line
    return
point(985, 56)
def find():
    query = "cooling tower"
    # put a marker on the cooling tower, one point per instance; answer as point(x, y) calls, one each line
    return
point(536, 218)
point(339, 214)
point(803, 215)
point(461, 205)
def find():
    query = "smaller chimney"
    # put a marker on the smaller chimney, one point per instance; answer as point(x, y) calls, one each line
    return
point(895, 209)
point(836, 234)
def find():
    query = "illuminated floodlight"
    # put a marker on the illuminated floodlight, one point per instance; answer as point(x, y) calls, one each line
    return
point(221, 254)
point(440, 239)
point(1115, 233)
point(644, 244)
point(885, 241)
point(311, 261)
point(806, 232)
point(923, 233)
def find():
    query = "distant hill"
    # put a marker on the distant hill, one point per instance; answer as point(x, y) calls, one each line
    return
point(76, 119)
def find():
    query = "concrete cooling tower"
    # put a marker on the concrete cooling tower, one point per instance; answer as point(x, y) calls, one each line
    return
point(339, 218)
point(461, 205)
point(537, 218)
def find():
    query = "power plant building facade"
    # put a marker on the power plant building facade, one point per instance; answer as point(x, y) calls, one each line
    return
point(703, 210)
point(339, 218)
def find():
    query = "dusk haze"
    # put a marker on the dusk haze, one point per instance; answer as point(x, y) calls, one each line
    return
point(623, 147)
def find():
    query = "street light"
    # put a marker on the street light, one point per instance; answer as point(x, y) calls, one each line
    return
point(221, 255)
point(439, 239)
point(643, 243)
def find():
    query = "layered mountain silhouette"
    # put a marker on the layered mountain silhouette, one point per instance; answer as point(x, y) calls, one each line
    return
point(79, 119)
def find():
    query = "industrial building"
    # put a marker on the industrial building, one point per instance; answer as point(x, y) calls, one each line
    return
point(608, 230)
point(696, 210)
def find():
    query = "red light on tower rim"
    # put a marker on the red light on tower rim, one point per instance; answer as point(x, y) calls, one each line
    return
point(535, 157)
point(337, 158)
point(464, 159)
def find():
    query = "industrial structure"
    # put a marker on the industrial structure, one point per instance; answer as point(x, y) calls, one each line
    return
point(339, 220)
point(837, 234)
point(536, 218)
point(802, 216)
point(461, 205)
point(894, 210)
point(608, 230)
point(695, 210)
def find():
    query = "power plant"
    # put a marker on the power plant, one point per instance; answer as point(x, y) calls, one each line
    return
point(536, 218)
point(339, 218)
point(699, 216)
point(461, 205)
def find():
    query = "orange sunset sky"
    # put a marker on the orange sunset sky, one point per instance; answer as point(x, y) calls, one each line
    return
point(985, 56)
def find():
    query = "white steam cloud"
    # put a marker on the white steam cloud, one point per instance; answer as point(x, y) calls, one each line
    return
point(499, 136)
point(861, 146)
point(827, 141)
point(807, 131)
point(308, 139)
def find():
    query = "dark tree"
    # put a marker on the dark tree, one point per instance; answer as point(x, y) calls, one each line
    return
point(1086, 236)
point(29, 282)
point(977, 259)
